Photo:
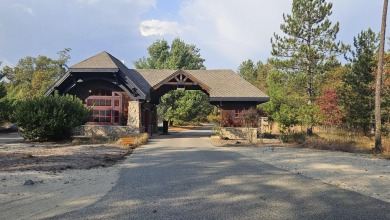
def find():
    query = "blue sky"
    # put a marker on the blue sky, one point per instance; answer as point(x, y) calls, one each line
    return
point(227, 32)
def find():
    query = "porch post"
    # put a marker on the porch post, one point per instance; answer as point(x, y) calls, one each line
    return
point(134, 116)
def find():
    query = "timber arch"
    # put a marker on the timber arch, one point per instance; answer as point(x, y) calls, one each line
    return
point(122, 96)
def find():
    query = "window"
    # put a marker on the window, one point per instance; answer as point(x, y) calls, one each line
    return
point(237, 114)
point(105, 109)
point(101, 102)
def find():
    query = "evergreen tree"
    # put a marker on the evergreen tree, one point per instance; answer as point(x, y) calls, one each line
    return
point(358, 91)
point(248, 71)
point(308, 47)
point(256, 74)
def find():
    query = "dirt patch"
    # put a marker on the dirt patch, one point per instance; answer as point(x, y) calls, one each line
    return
point(51, 157)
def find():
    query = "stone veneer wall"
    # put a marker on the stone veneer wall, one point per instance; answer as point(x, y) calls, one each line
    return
point(113, 131)
point(249, 134)
point(134, 116)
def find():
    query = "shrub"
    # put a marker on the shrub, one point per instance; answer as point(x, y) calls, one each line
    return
point(49, 118)
point(299, 137)
point(142, 139)
point(5, 109)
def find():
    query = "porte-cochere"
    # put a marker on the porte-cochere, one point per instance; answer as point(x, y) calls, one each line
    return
point(126, 99)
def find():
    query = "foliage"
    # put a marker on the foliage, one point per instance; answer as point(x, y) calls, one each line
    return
point(357, 94)
point(250, 117)
point(293, 137)
point(256, 74)
point(386, 90)
point(178, 107)
point(5, 104)
point(247, 70)
point(142, 139)
point(226, 118)
point(49, 118)
point(32, 76)
point(188, 107)
point(330, 109)
point(308, 48)
point(285, 103)
point(177, 56)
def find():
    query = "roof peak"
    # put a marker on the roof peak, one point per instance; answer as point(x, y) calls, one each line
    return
point(102, 60)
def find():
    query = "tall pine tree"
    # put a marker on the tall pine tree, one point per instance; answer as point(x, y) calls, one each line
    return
point(308, 48)
point(358, 91)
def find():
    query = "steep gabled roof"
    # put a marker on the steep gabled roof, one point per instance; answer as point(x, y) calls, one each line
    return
point(105, 62)
point(101, 60)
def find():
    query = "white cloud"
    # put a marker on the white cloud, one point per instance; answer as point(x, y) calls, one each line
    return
point(233, 30)
point(156, 27)
point(23, 8)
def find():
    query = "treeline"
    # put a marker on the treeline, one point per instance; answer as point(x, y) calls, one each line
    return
point(339, 95)
point(30, 78)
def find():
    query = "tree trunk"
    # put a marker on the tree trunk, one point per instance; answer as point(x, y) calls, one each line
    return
point(378, 85)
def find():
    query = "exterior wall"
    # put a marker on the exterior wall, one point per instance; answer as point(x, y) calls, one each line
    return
point(229, 119)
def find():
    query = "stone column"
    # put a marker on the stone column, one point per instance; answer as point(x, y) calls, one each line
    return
point(134, 116)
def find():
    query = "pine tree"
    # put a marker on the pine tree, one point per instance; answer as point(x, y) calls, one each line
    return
point(308, 47)
point(358, 93)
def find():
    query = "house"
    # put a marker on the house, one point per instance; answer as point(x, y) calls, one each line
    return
point(127, 98)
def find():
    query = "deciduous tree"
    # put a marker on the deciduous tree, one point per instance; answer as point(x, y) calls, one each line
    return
point(32, 76)
point(177, 106)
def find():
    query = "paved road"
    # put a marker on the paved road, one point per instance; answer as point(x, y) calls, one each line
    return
point(182, 176)
point(6, 138)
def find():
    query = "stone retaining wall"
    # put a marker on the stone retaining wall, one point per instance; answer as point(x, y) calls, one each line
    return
point(249, 134)
point(113, 131)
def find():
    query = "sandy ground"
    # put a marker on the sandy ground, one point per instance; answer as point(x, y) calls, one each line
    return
point(56, 191)
point(362, 173)
point(40, 180)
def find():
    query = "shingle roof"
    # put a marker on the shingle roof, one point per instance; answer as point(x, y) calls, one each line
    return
point(105, 61)
point(226, 83)
point(223, 85)
point(102, 60)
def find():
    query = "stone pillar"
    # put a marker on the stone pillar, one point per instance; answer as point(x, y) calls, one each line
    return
point(134, 116)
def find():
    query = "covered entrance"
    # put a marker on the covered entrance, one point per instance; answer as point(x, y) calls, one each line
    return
point(121, 96)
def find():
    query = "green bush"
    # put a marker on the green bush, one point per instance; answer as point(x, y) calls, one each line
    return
point(50, 118)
